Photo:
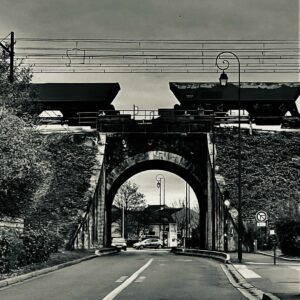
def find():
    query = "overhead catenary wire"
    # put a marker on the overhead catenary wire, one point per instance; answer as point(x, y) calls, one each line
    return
point(163, 41)
point(50, 55)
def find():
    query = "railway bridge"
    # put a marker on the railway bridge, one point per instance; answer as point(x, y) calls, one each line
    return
point(177, 140)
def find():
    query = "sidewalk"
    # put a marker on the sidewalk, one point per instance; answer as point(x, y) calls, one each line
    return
point(281, 280)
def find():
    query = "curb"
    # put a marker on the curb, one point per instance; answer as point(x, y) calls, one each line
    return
point(23, 277)
point(280, 257)
point(243, 286)
point(106, 251)
point(221, 256)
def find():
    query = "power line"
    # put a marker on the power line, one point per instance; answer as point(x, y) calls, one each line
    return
point(169, 41)
point(50, 55)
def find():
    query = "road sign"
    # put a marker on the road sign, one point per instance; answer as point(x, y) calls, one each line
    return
point(273, 239)
point(261, 224)
point(261, 216)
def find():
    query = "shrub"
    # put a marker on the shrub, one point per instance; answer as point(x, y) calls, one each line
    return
point(288, 231)
point(11, 251)
point(54, 241)
point(36, 246)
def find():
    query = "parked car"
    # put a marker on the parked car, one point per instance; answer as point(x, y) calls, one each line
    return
point(119, 243)
point(148, 243)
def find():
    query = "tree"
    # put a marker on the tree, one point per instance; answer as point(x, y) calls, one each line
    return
point(270, 171)
point(180, 216)
point(134, 203)
point(270, 175)
point(39, 173)
point(22, 163)
point(23, 159)
point(288, 231)
point(16, 95)
point(60, 201)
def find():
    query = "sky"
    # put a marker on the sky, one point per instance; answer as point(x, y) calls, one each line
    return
point(175, 188)
point(151, 19)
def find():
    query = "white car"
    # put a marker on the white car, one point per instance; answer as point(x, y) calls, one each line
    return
point(148, 243)
point(119, 243)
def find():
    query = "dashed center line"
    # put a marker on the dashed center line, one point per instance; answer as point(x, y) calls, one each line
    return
point(162, 260)
point(121, 279)
point(141, 279)
point(127, 282)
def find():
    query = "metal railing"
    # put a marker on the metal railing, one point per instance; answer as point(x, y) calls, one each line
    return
point(142, 116)
point(161, 120)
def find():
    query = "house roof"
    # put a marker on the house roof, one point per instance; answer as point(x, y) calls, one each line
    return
point(154, 214)
point(158, 214)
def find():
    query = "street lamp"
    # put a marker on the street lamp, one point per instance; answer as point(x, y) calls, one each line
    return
point(159, 178)
point(226, 207)
point(123, 221)
point(223, 81)
point(187, 214)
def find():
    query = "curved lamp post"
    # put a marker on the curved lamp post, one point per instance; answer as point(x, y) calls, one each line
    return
point(223, 64)
point(159, 178)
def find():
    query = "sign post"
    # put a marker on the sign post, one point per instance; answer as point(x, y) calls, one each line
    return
point(274, 241)
point(261, 218)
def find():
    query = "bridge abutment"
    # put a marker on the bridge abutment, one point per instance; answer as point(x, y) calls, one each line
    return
point(122, 156)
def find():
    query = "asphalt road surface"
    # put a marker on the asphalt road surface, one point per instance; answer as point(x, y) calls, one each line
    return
point(144, 274)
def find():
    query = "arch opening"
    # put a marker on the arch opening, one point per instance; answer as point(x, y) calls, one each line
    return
point(156, 204)
point(198, 186)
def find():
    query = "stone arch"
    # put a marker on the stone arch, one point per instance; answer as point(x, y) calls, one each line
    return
point(161, 160)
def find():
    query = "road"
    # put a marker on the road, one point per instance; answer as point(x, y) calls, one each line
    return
point(144, 274)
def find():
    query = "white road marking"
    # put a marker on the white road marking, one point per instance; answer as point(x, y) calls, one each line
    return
point(141, 279)
point(127, 282)
point(121, 279)
point(297, 268)
point(183, 259)
point(245, 272)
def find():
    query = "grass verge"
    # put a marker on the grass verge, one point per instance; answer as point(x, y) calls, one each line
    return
point(55, 259)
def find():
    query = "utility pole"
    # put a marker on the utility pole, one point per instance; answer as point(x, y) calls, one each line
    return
point(11, 51)
point(186, 213)
point(189, 211)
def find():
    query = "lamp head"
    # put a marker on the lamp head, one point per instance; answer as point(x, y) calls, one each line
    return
point(227, 203)
point(223, 79)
